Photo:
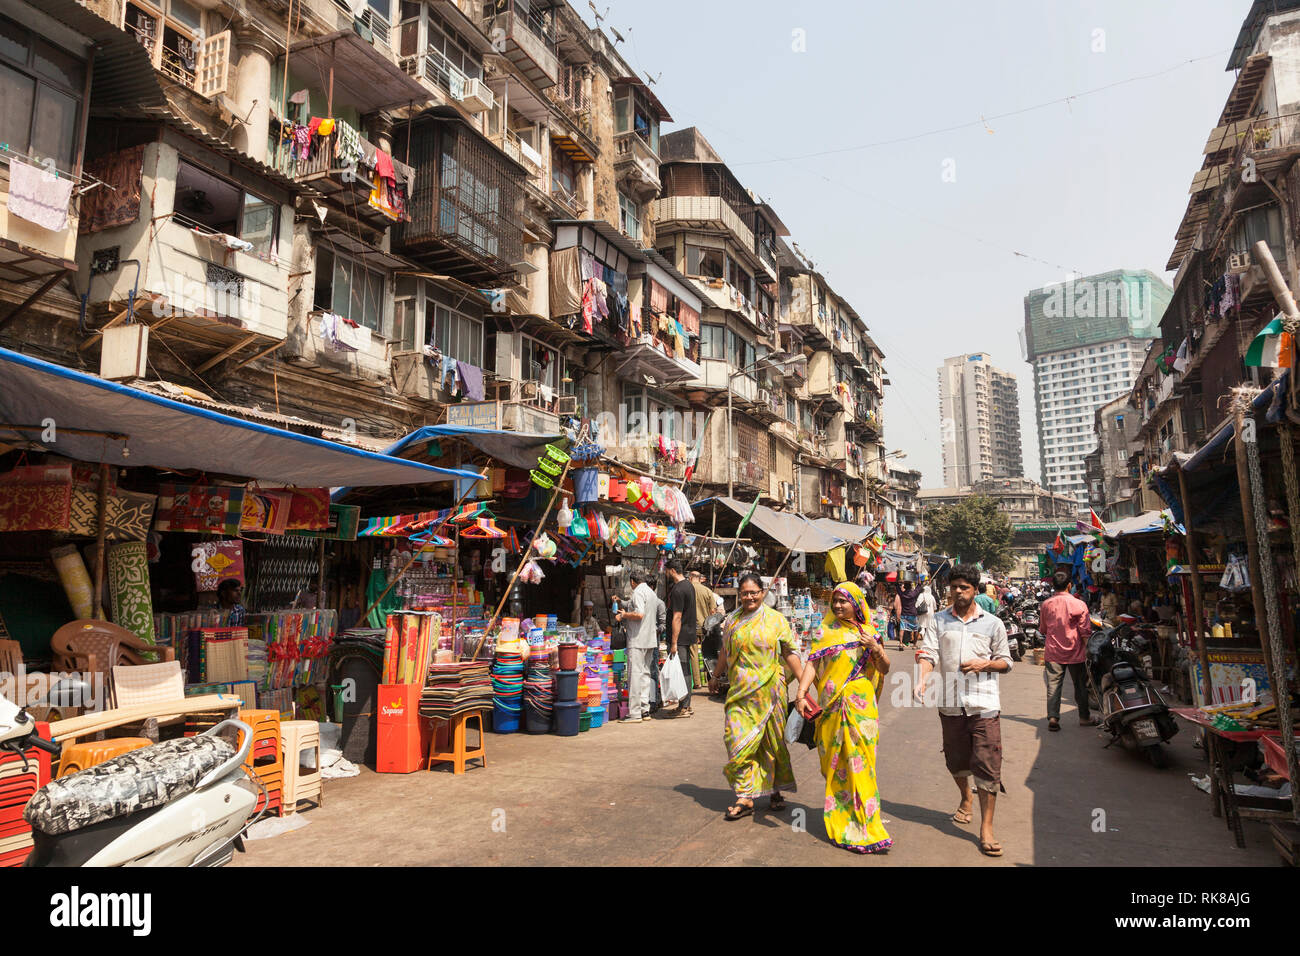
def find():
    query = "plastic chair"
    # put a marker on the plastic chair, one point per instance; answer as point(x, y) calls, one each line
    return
point(90, 753)
point(452, 734)
point(96, 647)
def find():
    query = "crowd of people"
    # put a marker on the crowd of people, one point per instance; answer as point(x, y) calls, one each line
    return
point(960, 645)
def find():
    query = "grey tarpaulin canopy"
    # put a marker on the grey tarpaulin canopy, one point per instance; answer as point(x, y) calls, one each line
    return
point(1138, 524)
point(99, 421)
point(852, 533)
point(518, 449)
point(793, 531)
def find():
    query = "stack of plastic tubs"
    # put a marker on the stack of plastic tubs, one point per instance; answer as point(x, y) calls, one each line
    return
point(539, 695)
point(567, 707)
point(301, 781)
point(507, 690)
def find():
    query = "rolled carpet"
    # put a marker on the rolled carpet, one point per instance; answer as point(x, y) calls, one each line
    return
point(128, 585)
point(75, 580)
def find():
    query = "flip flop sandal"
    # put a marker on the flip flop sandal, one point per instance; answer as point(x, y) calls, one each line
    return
point(684, 713)
point(990, 849)
point(745, 810)
point(776, 803)
point(957, 817)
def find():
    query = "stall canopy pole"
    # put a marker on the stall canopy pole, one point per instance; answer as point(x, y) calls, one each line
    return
point(1293, 513)
point(1196, 630)
point(541, 526)
point(1240, 404)
point(101, 534)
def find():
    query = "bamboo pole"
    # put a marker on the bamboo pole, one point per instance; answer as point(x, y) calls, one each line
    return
point(541, 525)
point(101, 535)
point(1198, 600)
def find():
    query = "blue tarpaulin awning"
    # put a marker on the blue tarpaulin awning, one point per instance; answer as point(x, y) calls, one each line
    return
point(90, 419)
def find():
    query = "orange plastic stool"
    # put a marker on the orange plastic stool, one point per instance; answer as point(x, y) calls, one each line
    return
point(452, 733)
point(80, 756)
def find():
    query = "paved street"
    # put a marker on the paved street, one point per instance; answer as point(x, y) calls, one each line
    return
point(653, 794)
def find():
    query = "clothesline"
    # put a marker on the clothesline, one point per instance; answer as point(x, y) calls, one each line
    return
point(7, 151)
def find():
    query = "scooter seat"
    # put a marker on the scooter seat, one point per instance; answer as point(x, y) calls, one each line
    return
point(127, 784)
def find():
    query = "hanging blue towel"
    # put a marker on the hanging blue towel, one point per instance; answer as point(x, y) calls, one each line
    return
point(448, 379)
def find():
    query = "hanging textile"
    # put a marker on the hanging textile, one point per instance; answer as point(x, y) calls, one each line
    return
point(39, 196)
point(689, 318)
point(117, 202)
point(658, 297)
point(567, 282)
point(347, 145)
point(387, 196)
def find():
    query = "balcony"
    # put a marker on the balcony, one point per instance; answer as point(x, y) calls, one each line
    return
point(650, 356)
point(29, 251)
point(347, 185)
point(529, 38)
point(636, 165)
point(703, 212)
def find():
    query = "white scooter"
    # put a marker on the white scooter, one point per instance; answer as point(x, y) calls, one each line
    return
point(182, 802)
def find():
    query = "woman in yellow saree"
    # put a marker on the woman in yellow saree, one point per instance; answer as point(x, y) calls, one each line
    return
point(756, 639)
point(847, 663)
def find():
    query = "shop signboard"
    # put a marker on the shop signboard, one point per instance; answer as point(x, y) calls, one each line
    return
point(474, 414)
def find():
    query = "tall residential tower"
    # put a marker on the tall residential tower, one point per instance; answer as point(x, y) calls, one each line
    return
point(1086, 339)
point(980, 421)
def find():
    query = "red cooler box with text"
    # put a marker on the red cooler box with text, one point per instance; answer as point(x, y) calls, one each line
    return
point(403, 738)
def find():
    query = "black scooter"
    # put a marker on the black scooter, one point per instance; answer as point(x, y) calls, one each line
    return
point(1130, 707)
point(1015, 637)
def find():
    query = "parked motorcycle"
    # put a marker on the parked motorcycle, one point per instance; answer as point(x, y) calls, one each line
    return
point(182, 802)
point(1015, 637)
point(711, 647)
point(1130, 708)
point(1027, 615)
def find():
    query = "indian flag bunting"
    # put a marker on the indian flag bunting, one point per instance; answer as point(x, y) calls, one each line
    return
point(1273, 347)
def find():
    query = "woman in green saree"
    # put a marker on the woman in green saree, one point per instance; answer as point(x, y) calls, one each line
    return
point(756, 639)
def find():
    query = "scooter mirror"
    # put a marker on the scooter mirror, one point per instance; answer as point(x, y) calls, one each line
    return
point(69, 692)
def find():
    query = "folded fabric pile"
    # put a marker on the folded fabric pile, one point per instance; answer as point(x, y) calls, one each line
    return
point(453, 689)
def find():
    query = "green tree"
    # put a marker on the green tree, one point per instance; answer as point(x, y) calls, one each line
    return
point(975, 529)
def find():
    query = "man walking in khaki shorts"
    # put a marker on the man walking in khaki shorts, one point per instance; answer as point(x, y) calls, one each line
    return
point(968, 647)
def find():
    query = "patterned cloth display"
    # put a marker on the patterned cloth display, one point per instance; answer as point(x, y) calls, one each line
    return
point(119, 204)
point(309, 510)
point(215, 561)
point(75, 580)
point(128, 514)
point(342, 524)
point(128, 584)
point(215, 509)
point(36, 498)
point(266, 511)
point(124, 785)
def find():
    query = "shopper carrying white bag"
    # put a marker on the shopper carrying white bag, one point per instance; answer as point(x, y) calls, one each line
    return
point(672, 682)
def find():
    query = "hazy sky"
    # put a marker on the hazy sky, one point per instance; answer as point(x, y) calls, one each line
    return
point(1095, 184)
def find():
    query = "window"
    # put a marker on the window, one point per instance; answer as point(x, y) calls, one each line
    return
point(632, 114)
point(204, 199)
point(40, 97)
point(455, 334)
point(1257, 224)
point(172, 32)
point(629, 217)
point(712, 342)
point(708, 263)
point(542, 364)
point(564, 174)
point(346, 287)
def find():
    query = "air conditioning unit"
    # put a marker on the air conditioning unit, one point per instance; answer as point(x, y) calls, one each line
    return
point(764, 397)
point(478, 96)
point(1239, 262)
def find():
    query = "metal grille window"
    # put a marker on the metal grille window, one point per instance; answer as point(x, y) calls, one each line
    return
point(752, 445)
point(712, 342)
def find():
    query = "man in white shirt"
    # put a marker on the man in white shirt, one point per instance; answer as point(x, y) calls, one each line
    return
point(968, 646)
point(642, 646)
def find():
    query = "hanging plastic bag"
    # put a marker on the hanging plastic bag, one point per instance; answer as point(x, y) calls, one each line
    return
point(793, 727)
point(564, 515)
point(672, 682)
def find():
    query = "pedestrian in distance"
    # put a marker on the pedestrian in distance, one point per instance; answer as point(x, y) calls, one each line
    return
point(756, 641)
point(968, 647)
point(1066, 626)
point(681, 630)
point(707, 604)
point(847, 663)
point(642, 646)
point(986, 600)
point(907, 625)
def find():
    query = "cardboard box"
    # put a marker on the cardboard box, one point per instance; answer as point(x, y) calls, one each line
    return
point(403, 738)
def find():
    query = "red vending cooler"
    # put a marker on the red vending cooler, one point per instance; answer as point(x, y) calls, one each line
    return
point(403, 739)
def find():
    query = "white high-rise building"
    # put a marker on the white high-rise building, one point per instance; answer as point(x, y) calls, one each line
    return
point(979, 415)
point(1086, 339)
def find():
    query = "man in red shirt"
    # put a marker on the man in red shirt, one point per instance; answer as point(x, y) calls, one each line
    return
point(1066, 626)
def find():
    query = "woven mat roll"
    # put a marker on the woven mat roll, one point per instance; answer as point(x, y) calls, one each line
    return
point(75, 580)
point(128, 584)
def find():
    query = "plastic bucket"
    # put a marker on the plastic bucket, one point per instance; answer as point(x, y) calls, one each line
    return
point(586, 485)
point(611, 712)
point(567, 718)
point(568, 658)
point(566, 686)
point(584, 721)
point(597, 716)
point(536, 722)
point(504, 721)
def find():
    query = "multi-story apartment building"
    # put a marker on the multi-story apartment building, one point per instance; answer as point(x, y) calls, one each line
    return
point(1023, 500)
point(1086, 339)
point(904, 486)
point(380, 214)
point(979, 413)
point(1113, 490)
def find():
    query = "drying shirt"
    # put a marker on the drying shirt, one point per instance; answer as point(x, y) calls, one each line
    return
point(682, 598)
point(948, 641)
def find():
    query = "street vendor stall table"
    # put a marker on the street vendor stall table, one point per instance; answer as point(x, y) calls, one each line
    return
point(1226, 802)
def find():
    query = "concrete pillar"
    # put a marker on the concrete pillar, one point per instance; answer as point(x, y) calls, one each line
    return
point(251, 98)
point(379, 130)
